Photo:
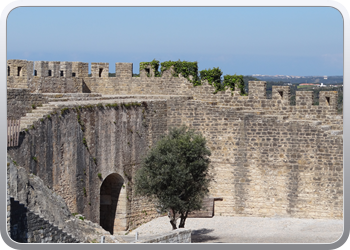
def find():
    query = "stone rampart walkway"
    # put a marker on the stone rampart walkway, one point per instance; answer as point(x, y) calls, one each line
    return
point(220, 229)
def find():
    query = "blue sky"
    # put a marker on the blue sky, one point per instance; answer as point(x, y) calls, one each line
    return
point(241, 40)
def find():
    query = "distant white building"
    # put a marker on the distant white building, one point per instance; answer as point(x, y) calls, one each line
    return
point(325, 77)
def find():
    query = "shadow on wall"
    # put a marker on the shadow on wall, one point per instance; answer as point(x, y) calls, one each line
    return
point(18, 222)
point(110, 192)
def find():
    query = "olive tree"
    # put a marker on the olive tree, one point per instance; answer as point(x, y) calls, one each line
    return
point(174, 173)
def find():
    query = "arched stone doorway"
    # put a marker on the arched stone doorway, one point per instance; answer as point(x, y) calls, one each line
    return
point(113, 204)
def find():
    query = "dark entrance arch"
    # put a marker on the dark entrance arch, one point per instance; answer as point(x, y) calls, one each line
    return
point(113, 204)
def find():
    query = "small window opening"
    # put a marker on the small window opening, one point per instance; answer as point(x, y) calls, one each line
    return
point(100, 72)
point(19, 69)
point(61, 73)
point(50, 72)
point(147, 71)
point(73, 74)
point(35, 72)
point(281, 93)
point(8, 70)
point(328, 100)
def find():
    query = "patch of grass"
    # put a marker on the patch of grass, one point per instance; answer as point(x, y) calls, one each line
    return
point(95, 160)
point(84, 190)
point(63, 111)
point(74, 214)
point(88, 106)
point(126, 105)
point(48, 116)
point(112, 105)
point(99, 105)
point(32, 127)
point(84, 142)
point(99, 175)
point(33, 106)
point(81, 218)
point(35, 159)
point(14, 162)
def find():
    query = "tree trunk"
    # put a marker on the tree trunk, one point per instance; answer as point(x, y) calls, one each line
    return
point(173, 224)
point(173, 219)
point(183, 219)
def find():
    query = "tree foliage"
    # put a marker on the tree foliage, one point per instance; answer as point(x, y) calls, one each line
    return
point(232, 80)
point(175, 173)
point(213, 76)
point(186, 69)
point(189, 70)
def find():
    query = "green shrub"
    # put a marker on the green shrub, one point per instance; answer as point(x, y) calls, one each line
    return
point(154, 67)
point(184, 68)
point(213, 76)
point(231, 80)
point(63, 111)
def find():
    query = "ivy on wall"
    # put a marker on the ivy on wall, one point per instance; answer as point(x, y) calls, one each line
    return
point(187, 69)
point(232, 80)
point(154, 67)
point(213, 76)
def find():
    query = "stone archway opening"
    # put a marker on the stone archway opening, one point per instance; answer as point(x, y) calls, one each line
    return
point(113, 204)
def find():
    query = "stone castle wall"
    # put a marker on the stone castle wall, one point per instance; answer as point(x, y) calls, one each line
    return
point(37, 214)
point(20, 101)
point(74, 79)
point(70, 149)
point(268, 158)
point(264, 165)
point(28, 227)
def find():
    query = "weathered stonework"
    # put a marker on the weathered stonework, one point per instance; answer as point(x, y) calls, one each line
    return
point(20, 101)
point(176, 236)
point(268, 158)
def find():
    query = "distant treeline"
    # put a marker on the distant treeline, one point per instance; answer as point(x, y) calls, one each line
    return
point(305, 79)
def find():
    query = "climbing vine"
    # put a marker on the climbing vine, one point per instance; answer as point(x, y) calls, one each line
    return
point(231, 80)
point(154, 66)
point(187, 69)
point(213, 76)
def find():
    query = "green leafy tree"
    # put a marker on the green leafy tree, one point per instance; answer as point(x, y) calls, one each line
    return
point(175, 173)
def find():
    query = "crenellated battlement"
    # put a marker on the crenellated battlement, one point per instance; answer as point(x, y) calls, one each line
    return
point(73, 77)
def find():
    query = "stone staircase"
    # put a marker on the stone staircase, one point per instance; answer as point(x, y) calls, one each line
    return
point(35, 115)
point(37, 228)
